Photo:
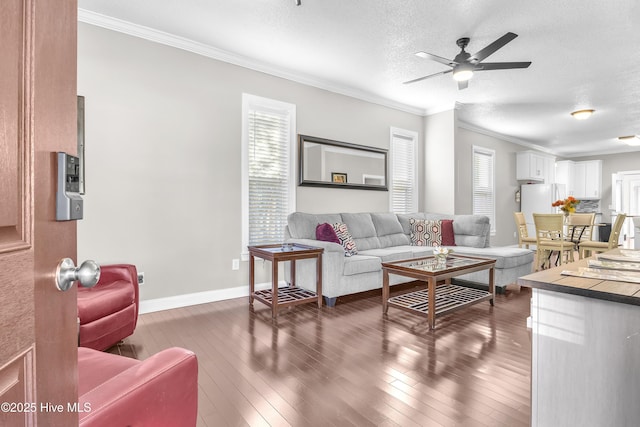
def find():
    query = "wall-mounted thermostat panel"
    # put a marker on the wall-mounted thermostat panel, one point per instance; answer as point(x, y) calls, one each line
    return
point(68, 200)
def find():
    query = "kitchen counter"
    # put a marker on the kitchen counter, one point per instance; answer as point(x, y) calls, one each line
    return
point(585, 343)
point(553, 280)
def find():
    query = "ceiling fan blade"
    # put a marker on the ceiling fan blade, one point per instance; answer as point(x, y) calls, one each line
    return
point(436, 58)
point(463, 84)
point(427, 77)
point(484, 66)
point(490, 49)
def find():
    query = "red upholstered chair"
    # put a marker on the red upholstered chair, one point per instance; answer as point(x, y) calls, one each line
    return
point(161, 390)
point(108, 312)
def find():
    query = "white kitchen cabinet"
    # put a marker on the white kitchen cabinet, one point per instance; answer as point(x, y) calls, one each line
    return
point(549, 169)
point(583, 180)
point(592, 179)
point(532, 166)
point(583, 349)
point(564, 175)
point(579, 184)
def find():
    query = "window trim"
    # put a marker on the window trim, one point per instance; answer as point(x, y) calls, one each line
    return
point(492, 154)
point(250, 102)
point(413, 136)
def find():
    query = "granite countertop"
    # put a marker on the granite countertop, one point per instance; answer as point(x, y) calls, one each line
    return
point(609, 290)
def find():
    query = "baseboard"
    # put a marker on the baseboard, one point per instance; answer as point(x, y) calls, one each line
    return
point(178, 301)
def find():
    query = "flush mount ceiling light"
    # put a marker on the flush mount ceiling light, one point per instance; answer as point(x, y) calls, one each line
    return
point(632, 140)
point(582, 114)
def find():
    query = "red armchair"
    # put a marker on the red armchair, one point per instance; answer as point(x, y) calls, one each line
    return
point(118, 391)
point(108, 312)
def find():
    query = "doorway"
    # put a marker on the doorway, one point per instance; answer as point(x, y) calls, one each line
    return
point(625, 198)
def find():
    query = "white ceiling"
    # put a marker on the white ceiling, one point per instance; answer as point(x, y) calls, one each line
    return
point(584, 53)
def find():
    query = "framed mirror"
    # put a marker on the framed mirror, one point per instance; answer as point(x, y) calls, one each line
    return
point(328, 163)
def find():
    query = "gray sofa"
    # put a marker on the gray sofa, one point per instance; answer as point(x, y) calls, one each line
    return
point(385, 237)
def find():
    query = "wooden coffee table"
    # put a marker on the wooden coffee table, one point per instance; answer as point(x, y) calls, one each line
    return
point(440, 296)
point(290, 295)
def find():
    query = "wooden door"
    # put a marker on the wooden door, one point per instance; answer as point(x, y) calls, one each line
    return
point(38, 332)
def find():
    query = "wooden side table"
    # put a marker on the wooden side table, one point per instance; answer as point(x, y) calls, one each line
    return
point(290, 295)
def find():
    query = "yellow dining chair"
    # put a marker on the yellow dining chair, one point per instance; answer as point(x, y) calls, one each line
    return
point(550, 238)
point(586, 248)
point(523, 234)
point(580, 228)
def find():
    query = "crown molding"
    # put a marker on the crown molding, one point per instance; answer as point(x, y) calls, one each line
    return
point(161, 37)
point(503, 137)
point(440, 109)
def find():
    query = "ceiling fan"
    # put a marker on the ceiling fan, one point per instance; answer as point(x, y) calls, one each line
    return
point(464, 64)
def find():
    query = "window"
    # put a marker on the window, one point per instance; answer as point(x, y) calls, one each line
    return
point(404, 183)
point(268, 180)
point(483, 184)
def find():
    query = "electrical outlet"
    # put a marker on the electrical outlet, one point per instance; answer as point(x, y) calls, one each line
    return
point(140, 277)
point(235, 264)
point(515, 234)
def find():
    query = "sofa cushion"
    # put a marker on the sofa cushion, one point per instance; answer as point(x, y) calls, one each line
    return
point(345, 239)
point(505, 256)
point(391, 254)
point(421, 251)
point(361, 264)
point(303, 225)
point(362, 229)
point(96, 303)
point(472, 230)
point(403, 219)
point(326, 233)
point(100, 334)
point(389, 230)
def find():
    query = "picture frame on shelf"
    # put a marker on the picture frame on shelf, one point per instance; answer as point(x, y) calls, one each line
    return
point(339, 177)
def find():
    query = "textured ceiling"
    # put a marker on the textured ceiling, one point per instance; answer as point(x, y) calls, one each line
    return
point(584, 53)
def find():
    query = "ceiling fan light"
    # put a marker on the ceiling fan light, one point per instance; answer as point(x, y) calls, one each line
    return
point(632, 140)
point(582, 114)
point(461, 74)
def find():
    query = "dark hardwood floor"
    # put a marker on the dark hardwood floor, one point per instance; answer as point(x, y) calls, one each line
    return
point(350, 365)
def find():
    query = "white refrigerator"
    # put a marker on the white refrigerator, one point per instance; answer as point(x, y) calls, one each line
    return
point(538, 198)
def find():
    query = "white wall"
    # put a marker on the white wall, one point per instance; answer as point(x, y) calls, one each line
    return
point(505, 180)
point(440, 164)
point(163, 131)
point(448, 172)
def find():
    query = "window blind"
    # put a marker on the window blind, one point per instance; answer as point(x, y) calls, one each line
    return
point(403, 197)
point(269, 170)
point(483, 184)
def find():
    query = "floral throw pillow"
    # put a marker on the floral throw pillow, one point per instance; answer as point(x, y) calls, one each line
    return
point(345, 238)
point(425, 232)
